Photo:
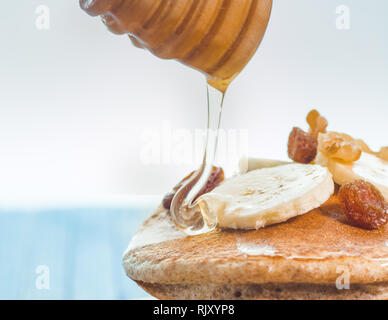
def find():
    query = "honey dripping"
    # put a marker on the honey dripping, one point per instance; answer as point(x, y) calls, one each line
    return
point(185, 212)
point(216, 37)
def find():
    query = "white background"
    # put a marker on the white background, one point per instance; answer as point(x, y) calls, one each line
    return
point(75, 100)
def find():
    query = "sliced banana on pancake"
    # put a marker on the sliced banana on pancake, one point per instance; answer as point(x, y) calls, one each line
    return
point(368, 167)
point(266, 196)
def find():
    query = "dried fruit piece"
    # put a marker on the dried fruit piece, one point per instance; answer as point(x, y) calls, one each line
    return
point(339, 146)
point(363, 204)
point(317, 123)
point(215, 178)
point(170, 195)
point(301, 146)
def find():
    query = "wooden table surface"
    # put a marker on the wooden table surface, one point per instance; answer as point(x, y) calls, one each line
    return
point(80, 248)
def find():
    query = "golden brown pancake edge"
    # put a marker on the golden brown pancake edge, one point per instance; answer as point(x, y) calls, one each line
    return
point(315, 248)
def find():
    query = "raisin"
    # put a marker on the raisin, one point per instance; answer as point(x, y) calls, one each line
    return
point(215, 178)
point(170, 195)
point(301, 146)
point(168, 199)
point(363, 204)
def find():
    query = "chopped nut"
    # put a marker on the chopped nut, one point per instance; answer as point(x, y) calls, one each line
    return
point(339, 146)
point(363, 204)
point(317, 123)
point(301, 146)
point(215, 178)
point(383, 153)
point(364, 147)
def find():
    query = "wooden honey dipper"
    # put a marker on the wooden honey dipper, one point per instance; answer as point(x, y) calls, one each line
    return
point(216, 37)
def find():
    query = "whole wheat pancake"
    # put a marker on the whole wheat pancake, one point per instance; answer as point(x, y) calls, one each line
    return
point(302, 258)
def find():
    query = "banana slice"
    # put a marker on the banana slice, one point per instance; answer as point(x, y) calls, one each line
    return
point(267, 196)
point(250, 164)
point(368, 167)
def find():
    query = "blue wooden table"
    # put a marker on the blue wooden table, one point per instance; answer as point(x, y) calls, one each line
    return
point(77, 251)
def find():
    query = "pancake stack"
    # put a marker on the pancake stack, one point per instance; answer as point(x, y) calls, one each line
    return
point(318, 255)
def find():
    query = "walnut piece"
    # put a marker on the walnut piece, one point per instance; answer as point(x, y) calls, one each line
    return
point(383, 153)
point(317, 123)
point(339, 146)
